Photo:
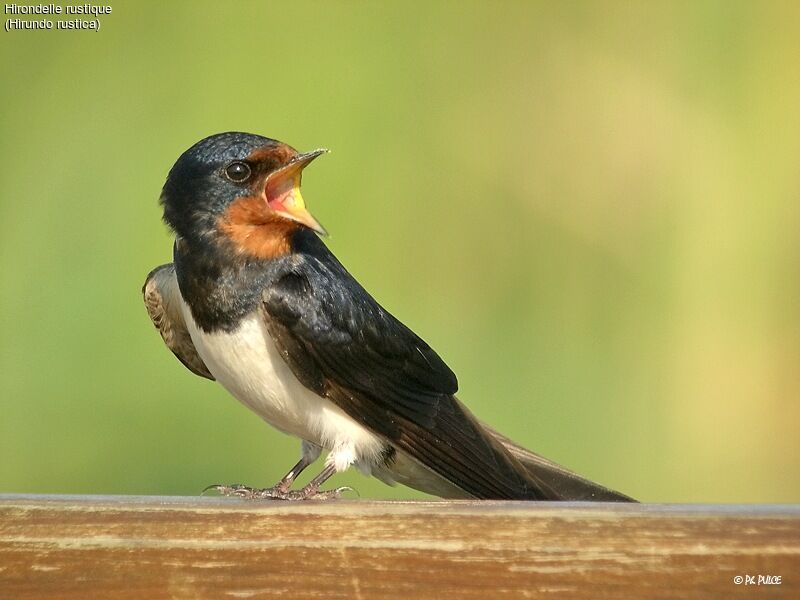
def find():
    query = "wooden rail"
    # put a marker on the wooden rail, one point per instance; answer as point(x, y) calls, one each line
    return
point(147, 547)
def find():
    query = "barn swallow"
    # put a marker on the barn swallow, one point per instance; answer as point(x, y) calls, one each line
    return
point(255, 300)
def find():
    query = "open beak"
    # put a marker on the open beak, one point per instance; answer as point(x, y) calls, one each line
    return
point(282, 191)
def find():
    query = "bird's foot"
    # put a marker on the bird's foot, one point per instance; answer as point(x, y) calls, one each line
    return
point(277, 492)
point(238, 490)
point(317, 494)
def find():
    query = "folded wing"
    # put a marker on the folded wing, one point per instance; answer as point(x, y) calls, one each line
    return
point(162, 300)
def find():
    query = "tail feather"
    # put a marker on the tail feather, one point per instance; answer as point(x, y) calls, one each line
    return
point(565, 484)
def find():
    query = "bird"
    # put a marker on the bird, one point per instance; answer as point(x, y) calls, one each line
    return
point(254, 300)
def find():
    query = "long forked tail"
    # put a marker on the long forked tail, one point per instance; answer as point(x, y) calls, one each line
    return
point(566, 484)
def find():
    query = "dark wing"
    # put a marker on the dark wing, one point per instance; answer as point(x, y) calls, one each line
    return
point(162, 300)
point(342, 344)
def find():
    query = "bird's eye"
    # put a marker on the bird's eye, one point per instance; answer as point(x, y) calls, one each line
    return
point(237, 171)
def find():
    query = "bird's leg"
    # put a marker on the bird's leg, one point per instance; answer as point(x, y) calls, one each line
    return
point(280, 491)
point(309, 452)
point(311, 490)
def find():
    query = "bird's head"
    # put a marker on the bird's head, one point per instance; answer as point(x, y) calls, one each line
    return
point(241, 189)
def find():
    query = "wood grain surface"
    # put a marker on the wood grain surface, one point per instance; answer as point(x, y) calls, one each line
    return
point(78, 547)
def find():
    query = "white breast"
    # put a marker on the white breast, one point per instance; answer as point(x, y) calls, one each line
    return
point(248, 364)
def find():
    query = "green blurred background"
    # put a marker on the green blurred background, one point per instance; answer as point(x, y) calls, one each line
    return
point(589, 209)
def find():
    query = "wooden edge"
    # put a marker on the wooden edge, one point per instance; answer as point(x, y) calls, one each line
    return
point(76, 547)
point(450, 507)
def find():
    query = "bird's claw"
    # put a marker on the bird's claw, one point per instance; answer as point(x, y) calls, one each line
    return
point(238, 490)
point(304, 494)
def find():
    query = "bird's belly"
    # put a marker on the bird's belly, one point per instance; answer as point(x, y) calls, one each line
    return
point(247, 363)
